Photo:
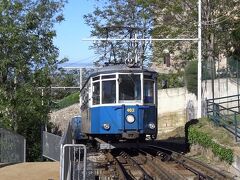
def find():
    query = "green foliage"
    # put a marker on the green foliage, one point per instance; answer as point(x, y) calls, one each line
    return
point(68, 100)
point(191, 76)
point(173, 19)
point(234, 57)
point(234, 65)
point(206, 70)
point(108, 19)
point(220, 30)
point(173, 80)
point(28, 57)
point(64, 78)
point(195, 136)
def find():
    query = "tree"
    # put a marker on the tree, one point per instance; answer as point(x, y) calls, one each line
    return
point(191, 72)
point(173, 19)
point(178, 18)
point(27, 58)
point(220, 31)
point(108, 21)
point(234, 54)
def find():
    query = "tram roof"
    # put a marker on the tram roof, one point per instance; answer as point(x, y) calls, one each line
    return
point(120, 68)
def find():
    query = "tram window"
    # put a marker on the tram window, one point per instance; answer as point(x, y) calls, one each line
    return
point(108, 76)
point(96, 93)
point(147, 76)
point(109, 92)
point(129, 87)
point(148, 91)
point(96, 78)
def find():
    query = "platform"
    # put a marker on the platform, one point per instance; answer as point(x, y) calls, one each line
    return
point(31, 171)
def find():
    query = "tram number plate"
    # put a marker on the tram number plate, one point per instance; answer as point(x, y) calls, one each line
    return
point(130, 110)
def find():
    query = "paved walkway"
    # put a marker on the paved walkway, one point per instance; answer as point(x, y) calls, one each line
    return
point(31, 171)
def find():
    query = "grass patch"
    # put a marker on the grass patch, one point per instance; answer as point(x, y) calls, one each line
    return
point(67, 101)
point(206, 134)
point(219, 134)
point(202, 158)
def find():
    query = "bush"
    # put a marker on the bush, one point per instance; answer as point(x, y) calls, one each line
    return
point(68, 101)
point(195, 136)
point(172, 80)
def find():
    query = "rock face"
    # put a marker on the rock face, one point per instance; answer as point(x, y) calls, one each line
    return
point(62, 117)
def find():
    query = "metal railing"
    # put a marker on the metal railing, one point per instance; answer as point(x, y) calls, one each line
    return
point(51, 146)
point(72, 158)
point(73, 163)
point(12, 147)
point(225, 112)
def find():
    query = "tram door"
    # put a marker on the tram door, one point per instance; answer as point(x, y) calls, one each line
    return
point(130, 93)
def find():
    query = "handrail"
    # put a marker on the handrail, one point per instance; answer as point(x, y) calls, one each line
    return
point(223, 97)
point(224, 116)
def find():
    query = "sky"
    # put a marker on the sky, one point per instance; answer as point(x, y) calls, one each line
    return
point(71, 32)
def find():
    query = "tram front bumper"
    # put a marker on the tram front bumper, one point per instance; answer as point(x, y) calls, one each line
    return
point(130, 135)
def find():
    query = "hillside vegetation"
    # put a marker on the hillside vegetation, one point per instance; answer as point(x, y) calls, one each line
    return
point(206, 134)
point(67, 101)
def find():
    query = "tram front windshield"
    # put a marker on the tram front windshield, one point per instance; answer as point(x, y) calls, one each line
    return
point(129, 87)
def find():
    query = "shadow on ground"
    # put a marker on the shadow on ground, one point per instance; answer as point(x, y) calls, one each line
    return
point(178, 144)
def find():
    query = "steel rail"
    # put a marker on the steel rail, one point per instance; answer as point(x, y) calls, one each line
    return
point(198, 173)
point(183, 160)
point(121, 171)
point(134, 163)
point(160, 167)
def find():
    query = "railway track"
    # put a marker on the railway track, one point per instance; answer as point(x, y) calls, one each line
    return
point(154, 162)
point(199, 169)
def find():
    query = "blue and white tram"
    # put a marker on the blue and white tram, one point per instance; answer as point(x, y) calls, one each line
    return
point(120, 102)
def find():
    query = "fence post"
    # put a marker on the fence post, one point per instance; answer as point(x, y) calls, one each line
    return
point(25, 150)
point(207, 108)
point(215, 113)
point(42, 128)
point(235, 123)
point(61, 162)
point(84, 162)
point(218, 113)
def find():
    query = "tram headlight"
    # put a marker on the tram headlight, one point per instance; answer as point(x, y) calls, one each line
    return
point(106, 126)
point(130, 118)
point(151, 125)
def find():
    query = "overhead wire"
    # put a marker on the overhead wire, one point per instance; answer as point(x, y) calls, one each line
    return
point(106, 52)
point(216, 21)
point(223, 16)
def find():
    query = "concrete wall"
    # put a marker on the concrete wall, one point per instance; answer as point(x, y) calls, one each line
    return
point(222, 87)
point(171, 100)
point(176, 105)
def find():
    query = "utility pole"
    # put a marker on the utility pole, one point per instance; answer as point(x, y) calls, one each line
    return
point(199, 96)
point(80, 85)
